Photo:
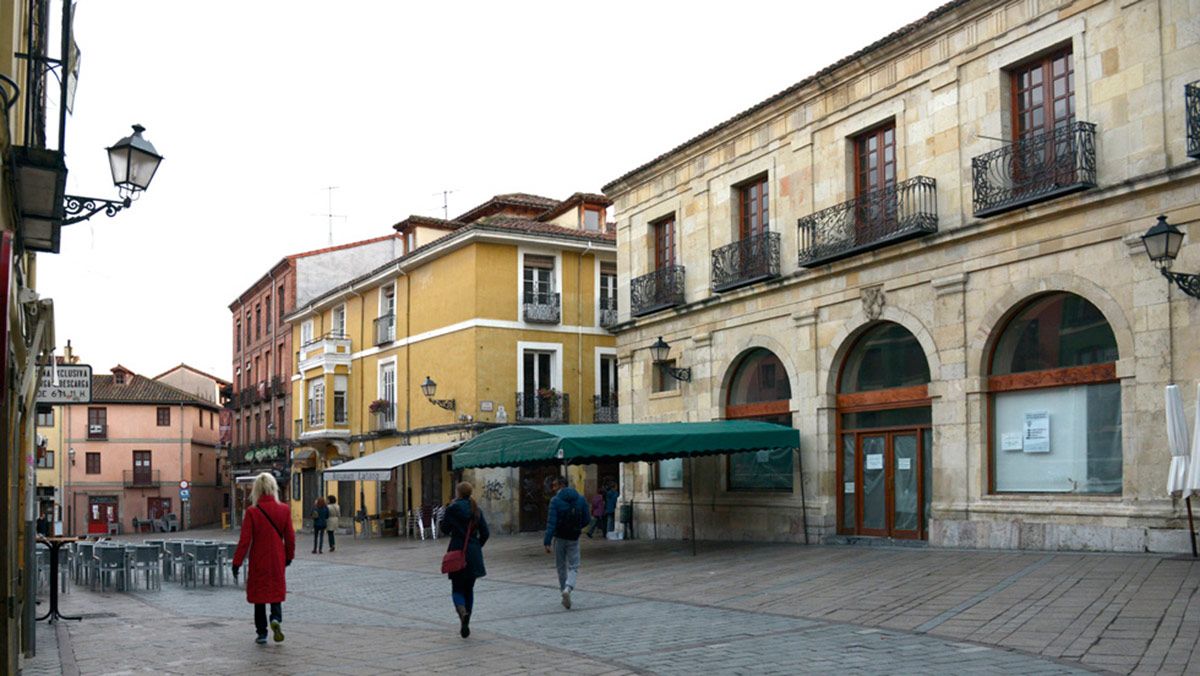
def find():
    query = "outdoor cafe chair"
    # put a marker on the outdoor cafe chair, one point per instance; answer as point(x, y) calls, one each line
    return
point(226, 551)
point(173, 561)
point(110, 564)
point(184, 564)
point(205, 558)
point(42, 561)
point(85, 563)
point(147, 559)
point(64, 570)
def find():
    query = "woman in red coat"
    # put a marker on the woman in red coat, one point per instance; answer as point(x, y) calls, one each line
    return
point(268, 537)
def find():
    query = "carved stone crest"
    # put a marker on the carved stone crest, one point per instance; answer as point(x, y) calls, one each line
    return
point(873, 301)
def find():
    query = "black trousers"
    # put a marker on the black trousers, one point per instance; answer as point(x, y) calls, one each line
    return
point(331, 542)
point(462, 589)
point(260, 616)
point(318, 539)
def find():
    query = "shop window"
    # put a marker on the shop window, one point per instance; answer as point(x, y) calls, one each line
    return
point(1055, 401)
point(669, 473)
point(888, 356)
point(760, 390)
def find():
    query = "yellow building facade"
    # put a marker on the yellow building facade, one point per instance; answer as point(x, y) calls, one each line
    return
point(500, 313)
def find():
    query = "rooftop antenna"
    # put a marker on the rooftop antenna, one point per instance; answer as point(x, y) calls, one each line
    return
point(329, 212)
point(445, 203)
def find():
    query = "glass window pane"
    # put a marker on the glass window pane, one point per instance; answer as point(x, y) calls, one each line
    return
point(670, 473)
point(927, 474)
point(848, 482)
point(1054, 331)
point(896, 417)
point(760, 377)
point(874, 514)
point(886, 356)
point(904, 458)
point(761, 470)
point(1080, 452)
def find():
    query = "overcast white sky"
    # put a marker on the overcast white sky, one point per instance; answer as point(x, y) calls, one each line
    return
point(258, 106)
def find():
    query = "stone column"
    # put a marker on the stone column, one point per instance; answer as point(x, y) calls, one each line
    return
point(956, 474)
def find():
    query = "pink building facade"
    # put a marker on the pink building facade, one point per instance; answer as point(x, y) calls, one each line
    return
point(129, 450)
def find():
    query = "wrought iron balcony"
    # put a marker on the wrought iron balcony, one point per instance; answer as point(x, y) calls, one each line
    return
point(133, 478)
point(279, 386)
point(608, 311)
point(1191, 96)
point(604, 408)
point(869, 221)
point(1035, 168)
point(97, 431)
point(385, 329)
point(656, 291)
point(543, 407)
point(542, 308)
point(745, 262)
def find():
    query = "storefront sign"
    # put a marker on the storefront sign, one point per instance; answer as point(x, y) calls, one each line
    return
point(1037, 432)
point(74, 384)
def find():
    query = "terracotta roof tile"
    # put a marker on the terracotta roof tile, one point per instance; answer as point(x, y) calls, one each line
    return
point(521, 200)
point(574, 201)
point(193, 369)
point(141, 390)
point(878, 44)
point(429, 222)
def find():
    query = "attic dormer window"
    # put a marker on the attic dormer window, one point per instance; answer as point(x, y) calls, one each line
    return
point(119, 377)
point(592, 218)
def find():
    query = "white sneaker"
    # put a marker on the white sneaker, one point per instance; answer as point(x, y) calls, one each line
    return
point(566, 600)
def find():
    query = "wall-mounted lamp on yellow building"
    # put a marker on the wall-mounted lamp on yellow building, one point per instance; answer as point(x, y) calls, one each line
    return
point(429, 388)
point(660, 352)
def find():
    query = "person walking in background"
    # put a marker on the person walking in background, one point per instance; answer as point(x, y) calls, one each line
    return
point(568, 515)
point(332, 524)
point(461, 516)
point(610, 505)
point(270, 542)
point(320, 517)
point(598, 513)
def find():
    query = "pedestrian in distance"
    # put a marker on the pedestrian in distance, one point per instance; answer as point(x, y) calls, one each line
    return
point(320, 517)
point(568, 515)
point(610, 505)
point(270, 542)
point(598, 514)
point(465, 523)
point(332, 524)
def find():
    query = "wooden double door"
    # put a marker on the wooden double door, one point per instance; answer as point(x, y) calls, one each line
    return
point(886, 482)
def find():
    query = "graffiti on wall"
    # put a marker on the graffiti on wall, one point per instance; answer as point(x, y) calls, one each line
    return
point(493, 489)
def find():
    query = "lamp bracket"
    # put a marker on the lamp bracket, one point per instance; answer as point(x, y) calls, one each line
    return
point(448, 404)
point(74, 205)
point(683, 374)
point(1189, 284)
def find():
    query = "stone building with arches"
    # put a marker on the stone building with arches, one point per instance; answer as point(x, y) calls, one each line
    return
point(927, 258)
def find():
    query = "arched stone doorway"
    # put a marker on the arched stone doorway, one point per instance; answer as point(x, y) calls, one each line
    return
point(885, 436)
point(759, 390)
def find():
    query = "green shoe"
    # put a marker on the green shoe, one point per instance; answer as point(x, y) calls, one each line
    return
point(278, 629)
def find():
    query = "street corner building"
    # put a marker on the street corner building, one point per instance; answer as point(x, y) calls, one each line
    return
point(496, 317)
point(928, 259)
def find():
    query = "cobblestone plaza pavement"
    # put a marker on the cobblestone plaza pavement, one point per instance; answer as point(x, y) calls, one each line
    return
point(375, 606)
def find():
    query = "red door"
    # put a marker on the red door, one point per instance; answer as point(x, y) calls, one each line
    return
point(101, 512)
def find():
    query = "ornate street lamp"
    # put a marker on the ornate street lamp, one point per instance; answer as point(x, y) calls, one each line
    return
point(429, 388)
point(1162, 242)
point(660, 351)
point(133, 161)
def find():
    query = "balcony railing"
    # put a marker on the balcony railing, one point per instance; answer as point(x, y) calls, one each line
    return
point(132, 478)
point(604, 408)
point(384, 421)
point(608, 311)
point(315, 420)
point(744, 262)
point(1035, 168)
point(1191, 97)
point(385, 329)
point(279, 386)
point(332, 335)
point(542, 307)
point(656, 291)
point(869, 221)
point(97, 431)
point(533, 407)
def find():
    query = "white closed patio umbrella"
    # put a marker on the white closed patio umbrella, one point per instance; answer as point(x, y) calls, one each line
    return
point(1178, 443)
point(1191, 484)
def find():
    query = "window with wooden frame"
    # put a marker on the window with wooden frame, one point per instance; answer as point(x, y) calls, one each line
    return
point(1055, 401)
point(753, 208)
point(875, 159)
point(663, 231)
point(238, 337)
point(267, 313)
point(45, 418)
point(258, 321)
point(93, 463)
point(164, 416)
point(1043, 93)
point(593, 218)
point(280, 304)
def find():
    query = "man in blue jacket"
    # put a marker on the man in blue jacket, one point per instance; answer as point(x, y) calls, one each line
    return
point(568, 516)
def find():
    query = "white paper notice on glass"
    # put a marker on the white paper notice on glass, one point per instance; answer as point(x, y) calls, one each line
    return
point(903, 463)
point(848, 488)
point(1010, 441)
point(874, 461)
point(1036, 438)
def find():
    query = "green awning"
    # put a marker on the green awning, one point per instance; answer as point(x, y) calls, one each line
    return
point(582, 444)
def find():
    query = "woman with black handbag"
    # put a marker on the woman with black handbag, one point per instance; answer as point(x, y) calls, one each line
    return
point(464, 557)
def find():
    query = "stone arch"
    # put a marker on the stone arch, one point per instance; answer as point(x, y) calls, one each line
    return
point(997, 316)
point(856, 325)
point(756, 341)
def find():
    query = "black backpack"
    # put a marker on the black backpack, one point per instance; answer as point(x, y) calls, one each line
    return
point(569, 526)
